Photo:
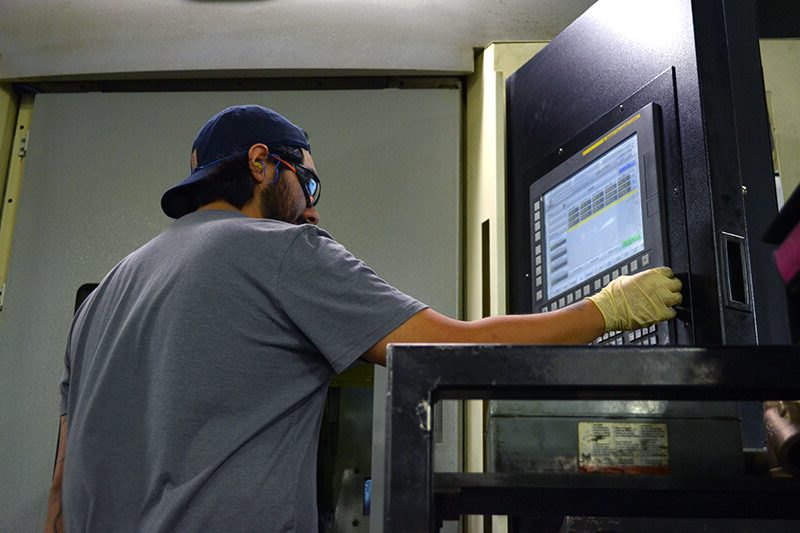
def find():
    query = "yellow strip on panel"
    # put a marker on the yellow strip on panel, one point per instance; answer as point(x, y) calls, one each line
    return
point(613, 132)
point(13, 186)
point(8, 117)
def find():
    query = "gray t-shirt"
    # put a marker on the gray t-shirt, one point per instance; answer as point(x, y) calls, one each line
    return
point(196, 375)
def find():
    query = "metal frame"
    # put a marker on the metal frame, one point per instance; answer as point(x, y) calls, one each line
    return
point(419, 375)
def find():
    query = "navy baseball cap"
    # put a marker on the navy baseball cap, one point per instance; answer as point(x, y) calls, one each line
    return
point(227, 134)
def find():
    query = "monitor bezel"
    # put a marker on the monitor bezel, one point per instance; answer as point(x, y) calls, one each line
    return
point(645, 124)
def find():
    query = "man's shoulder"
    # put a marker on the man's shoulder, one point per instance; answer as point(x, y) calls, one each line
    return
point(224, 224)
point(260, 236)
point(260, 229)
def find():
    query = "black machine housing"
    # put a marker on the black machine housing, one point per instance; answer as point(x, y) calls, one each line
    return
point(695, 65)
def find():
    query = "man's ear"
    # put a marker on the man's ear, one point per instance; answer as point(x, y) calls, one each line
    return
point(257, 160)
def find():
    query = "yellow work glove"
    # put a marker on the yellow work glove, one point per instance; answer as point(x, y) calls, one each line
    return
point(633, 302)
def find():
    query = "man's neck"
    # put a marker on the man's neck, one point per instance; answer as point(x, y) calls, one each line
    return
point(247, 209)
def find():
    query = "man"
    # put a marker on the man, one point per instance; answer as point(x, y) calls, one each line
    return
point(197, 370)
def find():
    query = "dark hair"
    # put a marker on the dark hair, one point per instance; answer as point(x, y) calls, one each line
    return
point(231, 180)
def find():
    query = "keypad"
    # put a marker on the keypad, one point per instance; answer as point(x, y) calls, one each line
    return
point(537, 250)
point(643, 337)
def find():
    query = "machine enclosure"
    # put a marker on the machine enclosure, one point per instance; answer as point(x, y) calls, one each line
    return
point(697, 64)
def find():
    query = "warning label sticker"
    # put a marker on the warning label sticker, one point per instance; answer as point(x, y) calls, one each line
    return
point(623, 448)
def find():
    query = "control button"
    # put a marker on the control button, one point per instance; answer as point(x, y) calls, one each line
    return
point(536, 216)
point(586, 290)
point(645, 260)
point(631, 336)
point(637, 334)
point(577, 294)
point(569, 298)
point(606, 279)
point(653, 340)
point(538, 260)
point(537, 226)
point(634, 265)
point(561, 303)
point(597, 284)
point(537, 204)
point(539, 270)
point(538, 281)
point(624, 270)
point(544, 309)
point(538, 250)
point(537, 236)
point(645, 342)
point(615, 274)
point(538, 295)
point(652, 328)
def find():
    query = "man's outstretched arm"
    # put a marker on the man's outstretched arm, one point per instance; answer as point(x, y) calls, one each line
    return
point(55, 519)
point(629, 302)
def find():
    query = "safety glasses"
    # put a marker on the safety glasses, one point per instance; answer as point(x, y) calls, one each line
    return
point(309, 180)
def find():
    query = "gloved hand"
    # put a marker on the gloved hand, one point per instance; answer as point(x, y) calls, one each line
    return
point(633, 302)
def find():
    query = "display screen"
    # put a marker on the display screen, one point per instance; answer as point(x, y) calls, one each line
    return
point(593, 219)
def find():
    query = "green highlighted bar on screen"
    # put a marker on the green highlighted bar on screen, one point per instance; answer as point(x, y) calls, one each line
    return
point(630, 240)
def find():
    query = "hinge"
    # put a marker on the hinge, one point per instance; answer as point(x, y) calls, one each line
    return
point(424, 415)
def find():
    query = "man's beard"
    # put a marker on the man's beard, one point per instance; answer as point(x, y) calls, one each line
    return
point(275, 202)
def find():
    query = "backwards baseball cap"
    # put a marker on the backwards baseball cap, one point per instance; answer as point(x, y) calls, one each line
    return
point(227, 134)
